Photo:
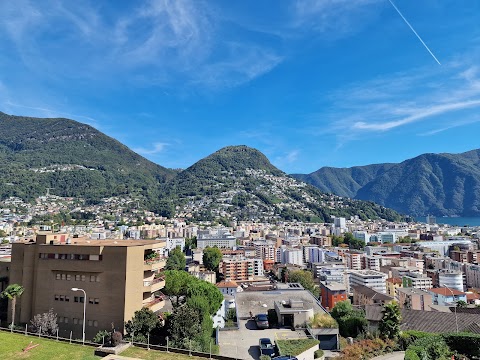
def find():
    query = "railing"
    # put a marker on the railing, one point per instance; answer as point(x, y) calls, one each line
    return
point(148, 346)
point(153, 282)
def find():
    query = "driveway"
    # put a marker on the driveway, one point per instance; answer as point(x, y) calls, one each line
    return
point(398, 355)
point(243, 343)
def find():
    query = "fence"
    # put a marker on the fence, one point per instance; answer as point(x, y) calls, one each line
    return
point(147, 346)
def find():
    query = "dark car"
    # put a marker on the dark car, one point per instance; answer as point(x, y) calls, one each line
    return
point(262, 321)
point(266, 347)
point(285, 357)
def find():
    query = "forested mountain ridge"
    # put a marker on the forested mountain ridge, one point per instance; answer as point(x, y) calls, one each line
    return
point(73, 159)
point(239, 182)
point(439, 184)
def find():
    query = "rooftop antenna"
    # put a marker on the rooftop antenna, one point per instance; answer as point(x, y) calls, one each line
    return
point(411, 27)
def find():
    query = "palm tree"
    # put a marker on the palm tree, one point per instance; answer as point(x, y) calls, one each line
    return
point(11, 293)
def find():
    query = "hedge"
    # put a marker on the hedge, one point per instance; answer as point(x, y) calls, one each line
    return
point(464, 343)
point(429, 348)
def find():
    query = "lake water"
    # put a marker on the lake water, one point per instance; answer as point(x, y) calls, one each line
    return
point(459, 221)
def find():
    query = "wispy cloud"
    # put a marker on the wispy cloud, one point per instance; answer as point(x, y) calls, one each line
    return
point(161, 42)
point(401, 100)
point(335, 17)
point(155, 149)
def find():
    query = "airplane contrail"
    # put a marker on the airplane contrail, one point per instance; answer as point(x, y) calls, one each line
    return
point(411, 27)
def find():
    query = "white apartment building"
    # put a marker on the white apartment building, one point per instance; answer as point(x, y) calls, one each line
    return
point(451, 279)
point(314, 254)
point(287, 255)
point(220, 238)
point(472, 274)
point(354, 261)
point(369, 278)
point(264, 249)
point(372, 262)
point(417, 281)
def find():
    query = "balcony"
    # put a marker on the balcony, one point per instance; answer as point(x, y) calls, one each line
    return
point(153, 285)
point(156, 304)
point(156, 263)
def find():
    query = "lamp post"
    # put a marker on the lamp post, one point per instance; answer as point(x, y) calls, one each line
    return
point(453, 296)
point(84, 308)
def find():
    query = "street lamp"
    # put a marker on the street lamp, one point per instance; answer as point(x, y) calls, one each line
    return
point(84, 308)
point(453, 296)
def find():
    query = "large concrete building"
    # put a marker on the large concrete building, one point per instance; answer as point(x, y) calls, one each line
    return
point(369, 278)
point(220, 238)
point(119, 277)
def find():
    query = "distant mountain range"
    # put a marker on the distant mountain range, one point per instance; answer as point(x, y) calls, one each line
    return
point(236, 182)
point(437, 184)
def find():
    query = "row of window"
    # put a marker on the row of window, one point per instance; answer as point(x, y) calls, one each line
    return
point(70, 256)
point(77, 299)
point(65, 320)
point(68, 277)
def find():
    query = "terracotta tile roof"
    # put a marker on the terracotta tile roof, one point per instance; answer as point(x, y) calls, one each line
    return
point(445, 291)
point(227, 284)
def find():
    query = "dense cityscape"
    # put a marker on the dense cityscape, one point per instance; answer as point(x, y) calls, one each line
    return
point(326, 282)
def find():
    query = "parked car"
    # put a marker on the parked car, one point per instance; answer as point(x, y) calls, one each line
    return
point(266, 347)
point(262, 321)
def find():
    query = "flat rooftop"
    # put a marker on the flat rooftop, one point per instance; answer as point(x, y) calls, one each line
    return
point(258, 302)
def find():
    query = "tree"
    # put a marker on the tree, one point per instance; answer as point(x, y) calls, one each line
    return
point(184, 325)
point(351, 322)
point(144, 323)
point(211, 258)
point(461, 304)
point(304, 278)
point(176, 260)
point(45, 323)
point(176, 283)
point(11, 293)
point(390, 324)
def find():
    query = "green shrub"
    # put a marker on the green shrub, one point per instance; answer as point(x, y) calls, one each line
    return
point(409, 337)
point(102, 337)
point(318, 354)
point(464, 343)
point(431, 348)
point(410, 354)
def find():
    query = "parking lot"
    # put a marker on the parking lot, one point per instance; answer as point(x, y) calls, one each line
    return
point(243, 343)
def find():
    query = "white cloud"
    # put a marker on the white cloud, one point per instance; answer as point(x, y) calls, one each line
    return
point(156, 149)
point(399, 100)
point(335, 17)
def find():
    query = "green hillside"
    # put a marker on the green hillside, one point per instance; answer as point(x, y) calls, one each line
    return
point(439, 184)
point(73, 159)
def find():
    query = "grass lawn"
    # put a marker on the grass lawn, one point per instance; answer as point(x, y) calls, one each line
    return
point(12, 345)
point(296, 346)
point(140, 353)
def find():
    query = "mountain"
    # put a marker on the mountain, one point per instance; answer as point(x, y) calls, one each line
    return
point(238, 182)
point(438, 184)
point(73, 159)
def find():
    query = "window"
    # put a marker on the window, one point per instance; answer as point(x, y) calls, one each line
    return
point(95, 323)
point(83, 277)
point(64, 277)
point(57, 297)
point(90, 323)
point(68, 277)
point(67, 298)
point(90, 300)
point(92, 278)
point(65, 320)
point(60, 319)
point(80, 321)
point(62, 297)
point(96, 301)
point(77, 277)
point(97, 278)
point(58, 276)
point(94, 257)
point(75, 321)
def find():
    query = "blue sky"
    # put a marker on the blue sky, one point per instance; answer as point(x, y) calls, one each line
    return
point(310, 83)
